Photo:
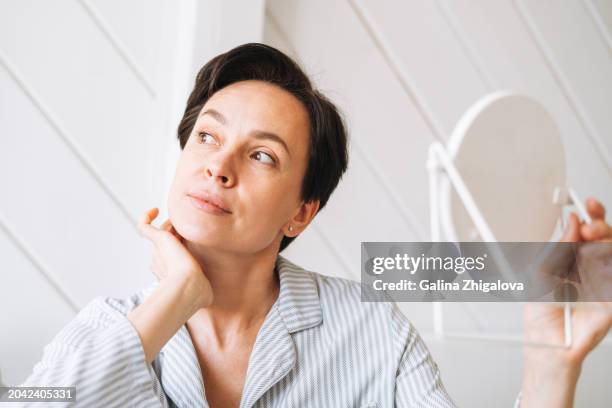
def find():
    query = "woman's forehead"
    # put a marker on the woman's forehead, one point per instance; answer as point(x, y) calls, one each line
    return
point(258, 99)
point(261, 106)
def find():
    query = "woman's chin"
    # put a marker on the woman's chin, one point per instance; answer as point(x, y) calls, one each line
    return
point(198, 234)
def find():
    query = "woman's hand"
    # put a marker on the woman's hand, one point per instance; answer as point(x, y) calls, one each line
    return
point(171, 261)
point(551, 373)
point(183, 288)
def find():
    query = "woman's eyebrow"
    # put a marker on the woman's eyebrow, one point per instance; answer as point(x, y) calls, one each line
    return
point(263, 135)
point(215, 114)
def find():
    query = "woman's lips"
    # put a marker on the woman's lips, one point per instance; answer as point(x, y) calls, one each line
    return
point(207, 207)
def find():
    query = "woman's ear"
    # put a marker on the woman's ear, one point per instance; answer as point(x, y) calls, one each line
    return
point(302, 218)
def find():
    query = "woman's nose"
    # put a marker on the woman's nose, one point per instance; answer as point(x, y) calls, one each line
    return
point(220, 169)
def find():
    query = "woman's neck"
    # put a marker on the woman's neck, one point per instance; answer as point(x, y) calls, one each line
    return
point(244, 290)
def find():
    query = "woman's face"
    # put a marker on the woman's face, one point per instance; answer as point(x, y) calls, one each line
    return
point(248, 154)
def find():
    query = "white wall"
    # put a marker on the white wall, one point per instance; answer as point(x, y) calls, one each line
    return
point(404, 72)
point(90, 96)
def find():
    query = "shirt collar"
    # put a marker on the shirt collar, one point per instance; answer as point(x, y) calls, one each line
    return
point(298, 301)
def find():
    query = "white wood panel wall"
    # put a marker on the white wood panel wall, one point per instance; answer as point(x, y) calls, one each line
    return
point(404, 72)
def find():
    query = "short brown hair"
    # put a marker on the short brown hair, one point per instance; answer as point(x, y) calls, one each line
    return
point(328, 147)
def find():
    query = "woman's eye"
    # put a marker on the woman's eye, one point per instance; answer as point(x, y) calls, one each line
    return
point(264, 157)
point(207, 138)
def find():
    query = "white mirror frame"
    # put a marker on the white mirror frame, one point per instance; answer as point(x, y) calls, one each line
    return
point(441, 168)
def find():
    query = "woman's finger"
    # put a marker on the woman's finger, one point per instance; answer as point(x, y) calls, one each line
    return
point(146, 229)
point(595, 209)
point(147, 218)
point(177, 235)
point(166, 225)
point(596, 230)
point(150, 215)
point(572, 229)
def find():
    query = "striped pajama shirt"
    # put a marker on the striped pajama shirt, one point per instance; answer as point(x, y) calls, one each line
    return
point(319, 346)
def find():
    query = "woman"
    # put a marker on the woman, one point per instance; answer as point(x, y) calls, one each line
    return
point(230, 322)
